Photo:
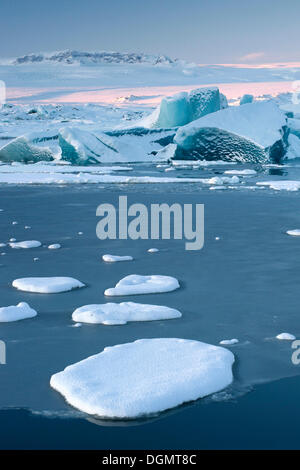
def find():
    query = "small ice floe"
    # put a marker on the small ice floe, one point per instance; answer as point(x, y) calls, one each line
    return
point(47, 285)
point(3, 253)
point(286, 336)
point(217, 238)
point(14, 222)
point(285, 185)
point(80, 233)
point(12, 240)
point(144, 377)
point(136, 284)
point(1, 210)
point(221, 180)
point(54, 246)
point(247, 172)
point(170, 168)
point(228, 342)
point(27, 227)
point(153, 250)
point(16, 312)
point(76, 325)
point(36, 259)
point(115, 258)
point(2, 245)
point(26, 244)
point(120, 314)
point(294, 233)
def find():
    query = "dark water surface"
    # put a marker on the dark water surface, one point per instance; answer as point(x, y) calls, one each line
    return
point(244, 285)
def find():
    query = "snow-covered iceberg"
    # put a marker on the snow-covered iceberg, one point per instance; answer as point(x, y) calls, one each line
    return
point(16, 312)
point(120, 314)
point(245, 99)
point(135, 284)
point(255, 132)
point(145, 377)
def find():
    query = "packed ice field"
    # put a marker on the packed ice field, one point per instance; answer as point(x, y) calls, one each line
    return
point(202, 138)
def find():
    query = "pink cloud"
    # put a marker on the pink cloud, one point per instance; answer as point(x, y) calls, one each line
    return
point(252, 56)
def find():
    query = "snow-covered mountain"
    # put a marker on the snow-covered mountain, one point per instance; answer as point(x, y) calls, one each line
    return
point(86, 58)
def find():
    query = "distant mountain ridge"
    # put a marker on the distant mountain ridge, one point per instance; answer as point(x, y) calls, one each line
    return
point(86, 58)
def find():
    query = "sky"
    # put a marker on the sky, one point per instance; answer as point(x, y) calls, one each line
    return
point(201, 31)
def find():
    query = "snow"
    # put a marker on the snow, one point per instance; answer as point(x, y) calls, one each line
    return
point(26, 244)
point(115, 258)
point(144, 377)
point(54, 246)
point(47, 285)
point(16, 312)
point(120, 314)
point(286, 336)
point(136, 284)
point(229, 342)
point(294, 233)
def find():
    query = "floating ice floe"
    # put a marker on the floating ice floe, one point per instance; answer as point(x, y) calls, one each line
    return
point(26, 244)
point(54, 246)
point(294, 233)
point(286, 336)
point(246, 172)
point(47, 285)
point(136, 284)
point(115, 258)
point(144, 377)
point(255, 132)
point(228, 342)
point(120, 314)
point(285, 185)
point(153, 250)
point(16, 312)
point(2, 245)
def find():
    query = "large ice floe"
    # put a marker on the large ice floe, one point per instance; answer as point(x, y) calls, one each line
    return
point(120, 314)
point(47, 285)
point(144, 377)
point(136, 284)
point(254, 133)
point(182, 108)
point(16, 312)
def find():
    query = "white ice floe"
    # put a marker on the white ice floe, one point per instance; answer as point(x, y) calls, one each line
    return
point(120, 314)
point(228, 342)
point(47, 285)
point(54, 246)
point(221, 180)
point(294, 233)
point(286, 336)
point(115, 258)
point(26, 244)
point(136, 284)
point(16, 312)
point(285, 185)
point(153, 250)
point(246, 172)
point(144, 377)
point(2, 245)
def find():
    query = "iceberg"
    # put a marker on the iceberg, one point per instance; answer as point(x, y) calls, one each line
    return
point(115, 258)
point(245, 99)
point(254, 133)
point(32, 147)
point(147, 376)
point(82, 147)
point(182, 108)
point(120, 314)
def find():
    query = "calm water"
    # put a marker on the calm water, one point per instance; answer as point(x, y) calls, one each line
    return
point(244, 285)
